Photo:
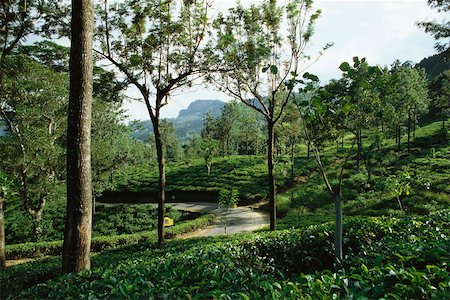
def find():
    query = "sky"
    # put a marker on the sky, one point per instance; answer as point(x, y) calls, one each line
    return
point(381, 31)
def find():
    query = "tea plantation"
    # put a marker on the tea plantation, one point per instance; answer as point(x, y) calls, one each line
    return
point(386, 257)
point(389, 253)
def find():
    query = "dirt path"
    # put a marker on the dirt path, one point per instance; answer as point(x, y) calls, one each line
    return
point(239, 219)
point(233, 220)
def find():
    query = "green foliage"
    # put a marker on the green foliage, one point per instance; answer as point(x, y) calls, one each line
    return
point(127, 219)
point(228, 198)
point(246, 174)
point(101, 243)
point(108, 220)
point(400, 184)
point(429, 185)
point(387, 257)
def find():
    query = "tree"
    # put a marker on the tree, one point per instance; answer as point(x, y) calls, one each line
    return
point(157, 46)
point(33, 106)
point(291, 131)
point(171, 145)
point(359, 86)
point(5, 187)
point(262, 64)
point(77, 235)
point(440, 95)
point(440, 31)
point(408, 96)
point(317, 106)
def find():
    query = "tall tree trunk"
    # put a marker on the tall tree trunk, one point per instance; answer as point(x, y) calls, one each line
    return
point(270, 164)
point(414, 124)
point(399, 138)
point(37, 226)
point(2, 236)
point(292, 162)
point(162, 179)
point(409, 131)
point(338, 231)
point(77, 235)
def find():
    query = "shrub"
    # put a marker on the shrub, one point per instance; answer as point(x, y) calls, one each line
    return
point(34, 250)
point(401, 258)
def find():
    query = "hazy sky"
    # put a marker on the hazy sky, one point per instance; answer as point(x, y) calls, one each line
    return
point(381, 31)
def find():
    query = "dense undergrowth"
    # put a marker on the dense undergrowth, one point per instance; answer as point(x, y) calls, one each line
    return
point(390, 257)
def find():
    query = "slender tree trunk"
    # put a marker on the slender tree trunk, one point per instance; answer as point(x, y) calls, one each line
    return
point(2, 236)
point(358, 154)
point(270, 165)
point(77, 236)
point(93, 206)
point(162, 179)
point(37, 226)
point(342, 143)
point(309, 149)
point(414, 124)
point(338, 232)
point(292, 162)
point(443, 121)
point(409, 131)
point(208, 168)
point(399, 138)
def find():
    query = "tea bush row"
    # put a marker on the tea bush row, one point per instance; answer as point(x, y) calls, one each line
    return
point(100, 243)
point(398, 258)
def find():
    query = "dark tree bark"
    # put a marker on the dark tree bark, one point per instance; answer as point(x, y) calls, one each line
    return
point(270, 166)
point(2, 235)
point(399, 138)
point(162, 178)
point(77, 236)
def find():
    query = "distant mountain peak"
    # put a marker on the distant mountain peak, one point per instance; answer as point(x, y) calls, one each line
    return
point(201, 107)
point(188, 123)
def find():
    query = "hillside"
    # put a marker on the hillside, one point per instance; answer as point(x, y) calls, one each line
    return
point(188, 123)
point(434, 65)
point(389, 251)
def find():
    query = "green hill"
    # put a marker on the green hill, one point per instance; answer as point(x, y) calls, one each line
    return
point(434, 65)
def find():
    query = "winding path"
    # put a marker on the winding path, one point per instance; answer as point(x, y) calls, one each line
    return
point(239, 219)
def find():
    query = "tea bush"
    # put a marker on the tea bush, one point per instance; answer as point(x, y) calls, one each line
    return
point(399, 258)
point(100, 243)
